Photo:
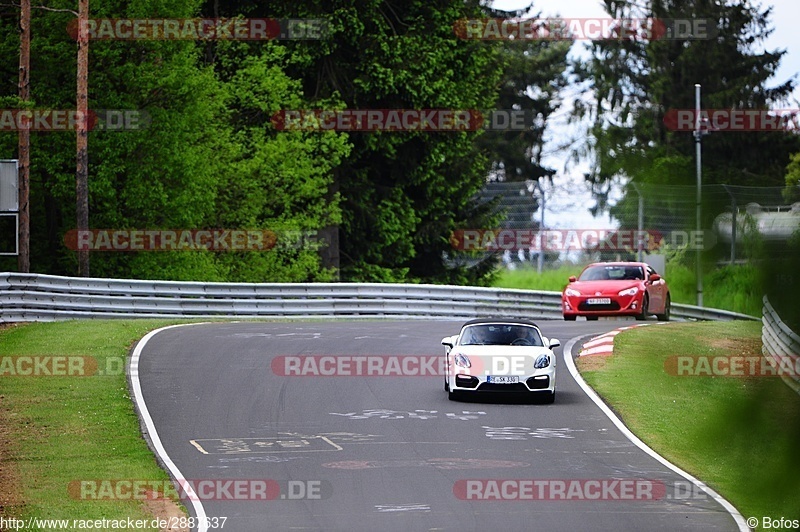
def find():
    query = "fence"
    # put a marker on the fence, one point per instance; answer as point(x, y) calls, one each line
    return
point(780, 342)
point(33, 297)
point(731, 215)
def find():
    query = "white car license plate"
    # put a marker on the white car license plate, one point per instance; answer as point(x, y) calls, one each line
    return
point(502, 380)
point(599, 301)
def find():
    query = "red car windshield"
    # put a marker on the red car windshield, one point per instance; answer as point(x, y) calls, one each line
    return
point(607, 272)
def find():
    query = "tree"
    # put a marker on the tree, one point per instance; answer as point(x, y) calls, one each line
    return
point(402, 193)
point(792, 191)
point(24, 144)
point(534, 73)
point(635, 82)
point(207, 160)
point(82, 134)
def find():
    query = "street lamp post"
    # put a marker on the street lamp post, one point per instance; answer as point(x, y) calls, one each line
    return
point(530, 184)
point(541, 226)
point(639, 223)
point(697, 139)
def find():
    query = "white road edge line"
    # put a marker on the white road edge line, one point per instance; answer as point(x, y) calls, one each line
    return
point(199, 511)
point(567, 354)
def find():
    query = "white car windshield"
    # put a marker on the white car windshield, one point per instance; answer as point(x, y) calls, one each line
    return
point(501, 334)
point(612, 273)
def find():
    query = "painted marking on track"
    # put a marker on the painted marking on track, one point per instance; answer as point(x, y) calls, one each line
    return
point(525, 433)
point(350, 437)
point(438, 463)
point(289, 443)
point(268, 458)
point(313, 335)
point(414, 507)
point(465, 415)
point(198, 446)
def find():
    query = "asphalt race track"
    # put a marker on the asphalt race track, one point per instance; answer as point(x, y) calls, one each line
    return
point(393, 453)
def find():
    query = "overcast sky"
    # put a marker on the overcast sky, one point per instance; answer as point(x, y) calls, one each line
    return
point(785, 14)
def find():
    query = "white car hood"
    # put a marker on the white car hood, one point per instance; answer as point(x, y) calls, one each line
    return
point(518, 359)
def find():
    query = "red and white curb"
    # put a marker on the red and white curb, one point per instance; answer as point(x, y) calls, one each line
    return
point(603, 345)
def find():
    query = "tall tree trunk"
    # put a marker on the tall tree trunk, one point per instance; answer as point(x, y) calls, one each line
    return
point(82, 171)
point(329, 254)
point(23, 152)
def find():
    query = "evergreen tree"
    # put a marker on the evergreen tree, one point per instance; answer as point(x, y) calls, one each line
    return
point(636, 82)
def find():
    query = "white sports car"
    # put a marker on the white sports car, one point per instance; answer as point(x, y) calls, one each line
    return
point(500, 355)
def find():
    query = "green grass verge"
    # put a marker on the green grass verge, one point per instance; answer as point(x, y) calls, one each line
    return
point(735, 288)
point(530, 279)
point(60, 429)
point(739, 435)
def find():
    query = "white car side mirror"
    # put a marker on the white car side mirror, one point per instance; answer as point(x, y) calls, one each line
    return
point(554, 343)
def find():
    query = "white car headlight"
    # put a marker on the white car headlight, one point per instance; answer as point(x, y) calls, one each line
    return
point(462, 360)
point(629, 291)
point(571, 292)
point(542, 361)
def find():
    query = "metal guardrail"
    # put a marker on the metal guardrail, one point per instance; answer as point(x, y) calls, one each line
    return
point(780, 343)
point(35, 297)
point(691, 312)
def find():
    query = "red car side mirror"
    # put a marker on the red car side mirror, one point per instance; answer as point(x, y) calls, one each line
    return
point(572, 278)
point(655, 277)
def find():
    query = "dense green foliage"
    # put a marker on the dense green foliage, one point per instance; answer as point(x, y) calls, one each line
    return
point(211, 158)
point(383, 203)
point(403, 193)
point(204, 162)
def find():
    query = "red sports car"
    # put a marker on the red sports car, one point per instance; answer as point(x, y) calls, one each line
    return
point(616, 289)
